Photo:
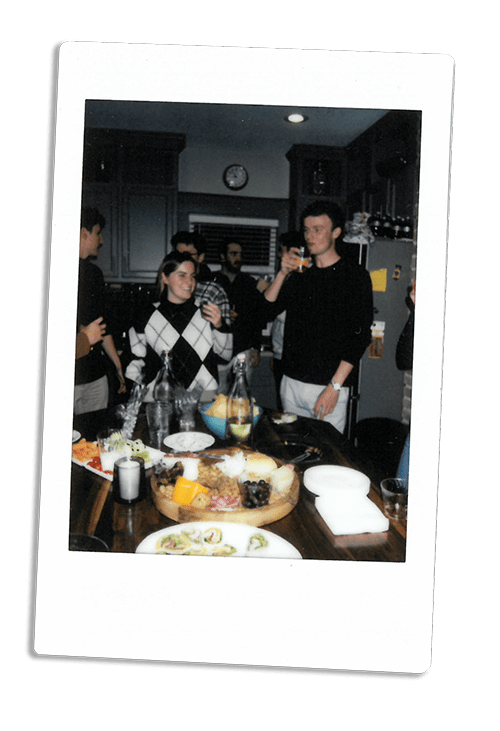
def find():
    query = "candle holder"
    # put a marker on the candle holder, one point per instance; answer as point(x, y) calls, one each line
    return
point(129, 484)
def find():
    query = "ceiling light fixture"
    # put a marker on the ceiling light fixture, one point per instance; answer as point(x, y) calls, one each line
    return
point(296, 118)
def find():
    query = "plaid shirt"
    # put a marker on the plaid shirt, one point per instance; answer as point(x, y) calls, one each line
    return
point(213, 292)
point(192, 342)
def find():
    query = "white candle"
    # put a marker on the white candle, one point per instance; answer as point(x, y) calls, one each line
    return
point(129, 476)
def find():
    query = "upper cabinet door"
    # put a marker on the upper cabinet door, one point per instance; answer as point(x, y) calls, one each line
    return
point(132, 178)
point(147, 227)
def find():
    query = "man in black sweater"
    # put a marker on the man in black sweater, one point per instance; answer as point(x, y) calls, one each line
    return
point(329, 310)
point(91, 383)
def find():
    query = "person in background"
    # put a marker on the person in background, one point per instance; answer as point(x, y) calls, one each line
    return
point(329, 313)
point(404, 348)
point(91, 382)
point(246, 309)
point(192, 337)
point(286, 242)
point(195, 244)
point(404, 362)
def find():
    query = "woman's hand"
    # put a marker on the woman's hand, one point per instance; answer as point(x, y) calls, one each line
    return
point(212, 313)
point(254, 358)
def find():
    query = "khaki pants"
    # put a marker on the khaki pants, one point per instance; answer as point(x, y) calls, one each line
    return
point(91, 396)
point(299, 398)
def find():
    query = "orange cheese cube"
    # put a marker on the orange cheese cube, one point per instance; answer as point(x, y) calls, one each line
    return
point(186, 490)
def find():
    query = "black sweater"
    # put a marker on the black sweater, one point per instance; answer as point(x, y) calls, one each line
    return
point(91, 305)
point(329, 313)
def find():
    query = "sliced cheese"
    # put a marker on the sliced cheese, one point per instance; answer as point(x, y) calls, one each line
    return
point(186, 490)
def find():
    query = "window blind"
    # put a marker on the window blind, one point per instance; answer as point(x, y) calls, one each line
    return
point(257, 236)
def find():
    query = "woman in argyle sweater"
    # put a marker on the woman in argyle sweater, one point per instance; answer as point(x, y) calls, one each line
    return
point(192, 335)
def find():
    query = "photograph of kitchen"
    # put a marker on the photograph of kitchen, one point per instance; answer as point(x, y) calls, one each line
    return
point(218, 247)
point(157, 169)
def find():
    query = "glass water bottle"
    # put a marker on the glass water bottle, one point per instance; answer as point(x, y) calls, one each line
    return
point(162, 390)
point(239, 424)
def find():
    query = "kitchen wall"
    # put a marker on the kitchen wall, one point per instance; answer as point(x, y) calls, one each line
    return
point(201, 168)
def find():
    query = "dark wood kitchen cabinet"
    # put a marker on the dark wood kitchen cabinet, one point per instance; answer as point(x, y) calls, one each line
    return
point(132, 178)
point(316, 171)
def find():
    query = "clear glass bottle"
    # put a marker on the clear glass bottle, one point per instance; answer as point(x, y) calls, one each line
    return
point(239, 424)
point(376, 224)
point(397, 228)
point(387, 230)
point(163, 387)
point(319, 180)
point(407, 228)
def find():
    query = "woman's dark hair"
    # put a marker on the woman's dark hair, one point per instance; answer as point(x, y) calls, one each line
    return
point(173, 261)
point(170, 263)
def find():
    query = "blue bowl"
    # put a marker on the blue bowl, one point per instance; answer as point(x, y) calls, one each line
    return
point(217, 425)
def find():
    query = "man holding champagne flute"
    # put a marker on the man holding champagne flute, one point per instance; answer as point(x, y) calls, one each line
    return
point(329, 308)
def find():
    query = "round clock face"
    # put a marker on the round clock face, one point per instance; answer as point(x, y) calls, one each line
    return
point(235, 177)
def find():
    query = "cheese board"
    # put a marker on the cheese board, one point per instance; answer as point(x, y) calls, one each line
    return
point(256, 516)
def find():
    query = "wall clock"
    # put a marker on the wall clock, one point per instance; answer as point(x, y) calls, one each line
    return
point(235, 177)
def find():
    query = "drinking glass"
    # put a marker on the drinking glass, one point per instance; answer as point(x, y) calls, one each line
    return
point(304, 259)
point(158, 416)
point(112, 445)
point(395, 497)
point(186, 404)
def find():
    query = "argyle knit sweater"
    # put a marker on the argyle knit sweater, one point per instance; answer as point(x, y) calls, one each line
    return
point(192, 342)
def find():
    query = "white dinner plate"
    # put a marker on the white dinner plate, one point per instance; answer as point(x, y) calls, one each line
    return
point(323, 479)
point(237, 536)
point(76, 436)
point(189, 441)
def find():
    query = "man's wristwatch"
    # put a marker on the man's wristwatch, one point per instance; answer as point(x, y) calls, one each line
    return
point(336, 386)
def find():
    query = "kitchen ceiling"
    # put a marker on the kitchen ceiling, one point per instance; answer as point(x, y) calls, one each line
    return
point(249, 126)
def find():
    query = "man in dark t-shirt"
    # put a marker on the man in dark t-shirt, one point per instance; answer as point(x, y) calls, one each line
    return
point(246, 309)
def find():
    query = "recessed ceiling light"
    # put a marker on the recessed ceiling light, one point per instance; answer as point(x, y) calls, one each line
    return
point(296, 118)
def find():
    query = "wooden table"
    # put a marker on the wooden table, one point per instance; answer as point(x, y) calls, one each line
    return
point(94, 512)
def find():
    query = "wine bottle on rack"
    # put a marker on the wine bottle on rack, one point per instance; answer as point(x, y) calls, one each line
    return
point(376, 224)
point(387, 231)
point(397, 228)
point(407, 228)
